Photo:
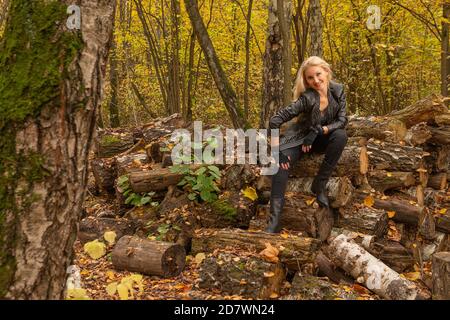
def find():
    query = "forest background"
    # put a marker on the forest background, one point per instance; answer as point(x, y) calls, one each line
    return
point(156, 66)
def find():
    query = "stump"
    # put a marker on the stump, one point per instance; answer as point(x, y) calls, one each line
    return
point(148, 257)
point(296, 250)
point(441, 276)
point(247, 276)
point(370, 271)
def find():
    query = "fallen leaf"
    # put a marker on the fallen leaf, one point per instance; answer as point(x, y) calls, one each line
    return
point(273, 295)
point(413, 276)
point(389, 174)
point(95, 249)
point(122, 289)
point(77, 294)
point(270, 253)
point(443, 211)
point(284, 235)
point(310, 201)
point(110, 237)
point(199, 257)
point(250, 193)
point(269, 274)
point(391, 214)
point(369, 201)
point(111, 288)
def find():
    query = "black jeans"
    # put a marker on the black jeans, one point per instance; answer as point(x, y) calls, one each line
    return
point(331, 144)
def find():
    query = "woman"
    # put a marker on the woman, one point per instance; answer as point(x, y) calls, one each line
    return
point(320, 128)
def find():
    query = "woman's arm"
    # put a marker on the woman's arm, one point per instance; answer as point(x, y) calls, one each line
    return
point(342, 119)
point(291, 111)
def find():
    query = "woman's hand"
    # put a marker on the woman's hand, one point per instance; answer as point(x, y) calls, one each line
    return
point(325, 130)
point(284, 161)
point(306, 148)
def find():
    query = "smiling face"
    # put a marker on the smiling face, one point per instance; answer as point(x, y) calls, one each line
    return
point(316, 77)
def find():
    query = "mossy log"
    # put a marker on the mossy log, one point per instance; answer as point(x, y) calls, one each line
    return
point(247, 276)
point(149, 257)
point(92, 228)
point(370, 271)
point(441, 276)
point(370, 221)
point(308, 287)
point(232, 209)
point(296, 250)
point(111, 144)
point(424, 110)
point(392, 254)
point(104, 171)
point(382, 180)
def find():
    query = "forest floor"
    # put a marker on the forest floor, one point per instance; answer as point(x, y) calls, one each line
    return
point(98, 274)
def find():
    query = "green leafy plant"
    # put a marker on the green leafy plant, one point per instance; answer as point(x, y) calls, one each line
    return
point(201, 183)
point(132, 198)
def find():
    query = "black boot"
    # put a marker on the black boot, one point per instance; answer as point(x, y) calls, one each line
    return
point(276, 208)
point(320, 183)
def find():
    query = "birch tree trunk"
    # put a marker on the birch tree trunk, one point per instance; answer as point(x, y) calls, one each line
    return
point(276, 72)
point(50, 87)
point(316, 28)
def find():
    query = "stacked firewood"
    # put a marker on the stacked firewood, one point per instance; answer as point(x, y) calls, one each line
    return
point(389, 197)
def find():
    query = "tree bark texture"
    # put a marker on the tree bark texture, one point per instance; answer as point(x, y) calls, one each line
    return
point(50, 88)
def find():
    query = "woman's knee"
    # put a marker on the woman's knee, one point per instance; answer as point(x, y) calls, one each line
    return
point(340, 136)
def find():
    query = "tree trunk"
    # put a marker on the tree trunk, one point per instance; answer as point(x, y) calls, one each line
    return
point(53, 80)
point(247, 59)
point(276, 77)
point(445, 50)
point(223, 85)
point(113, 104)
point(316, 26)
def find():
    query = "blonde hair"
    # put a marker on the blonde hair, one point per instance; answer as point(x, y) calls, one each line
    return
point(300, 85)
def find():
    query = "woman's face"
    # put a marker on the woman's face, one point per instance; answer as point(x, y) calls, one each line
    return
point(316, 77)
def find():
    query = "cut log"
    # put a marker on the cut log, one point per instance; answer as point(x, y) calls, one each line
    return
point(149, 257)
point(418, 134)
point(234, 274)
point(393, 254)
point(314, 222)
point(443, 222)
point(364, 240)
point(153, 180)
point(439, 158)
point(370, 271)
point(370, 221)
point(427, 225)
point(297, 250)
point(130, 163)
point(92, 228)
point(441, 276)
point(424, 110)
point(438, 244)
point(329, 269)
point(104, 174)
point(443, 119)
point(111, 144)
point(309, 164)
point(394, 157)
point(382, 180)
point(379, 128)
point(440, 135)
point(438, 181)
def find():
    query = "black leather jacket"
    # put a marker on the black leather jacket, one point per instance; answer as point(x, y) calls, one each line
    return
point(308, 104)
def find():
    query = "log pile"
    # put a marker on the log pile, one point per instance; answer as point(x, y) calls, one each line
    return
point(388, 217)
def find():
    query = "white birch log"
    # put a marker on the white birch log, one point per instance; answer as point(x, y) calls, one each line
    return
point(370, 271)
